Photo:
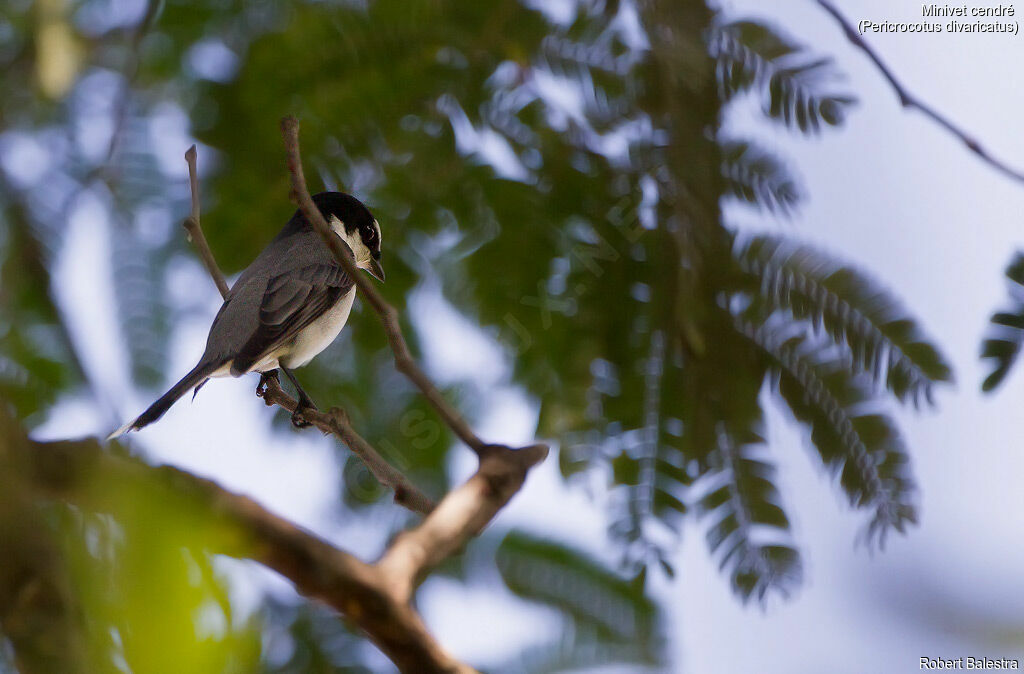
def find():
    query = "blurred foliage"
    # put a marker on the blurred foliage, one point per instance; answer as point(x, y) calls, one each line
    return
point(1006, 332)
point(563, 178)
point(151, 597)
point(608, 619)
point(37, 362)
point(307, 638)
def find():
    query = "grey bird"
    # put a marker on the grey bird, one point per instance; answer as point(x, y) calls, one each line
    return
point(286, 307)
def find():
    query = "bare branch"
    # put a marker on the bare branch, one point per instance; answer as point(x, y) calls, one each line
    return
point(460, 516)
point(404, 361)
point(909, 100)
point(195, 231)
point(334, 422)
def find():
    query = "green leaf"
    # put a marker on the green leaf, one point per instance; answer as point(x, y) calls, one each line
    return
point(1005, 336)
point(792, 85)
point(750, 531)
point(37, 360)
point(863, 447)
point(606, 614)
point(854, 311)
point(758, 177)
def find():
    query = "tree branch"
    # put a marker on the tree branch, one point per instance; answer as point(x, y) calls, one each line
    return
point(908, 100)
point(404, 361)
point(195, 231)
point(334, 422)
point(38, 609)
point(71, 469)
point(461, 515)
point(374, 597)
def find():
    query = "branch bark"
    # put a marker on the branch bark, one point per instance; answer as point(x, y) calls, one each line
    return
point(335, 422)
point(909, 100)
point(195, 231)
point(70, 470)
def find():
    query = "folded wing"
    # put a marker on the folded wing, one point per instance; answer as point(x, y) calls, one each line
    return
point(291, 302)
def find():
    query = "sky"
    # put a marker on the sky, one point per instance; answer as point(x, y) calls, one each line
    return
point(902, 199)
point(890, 192)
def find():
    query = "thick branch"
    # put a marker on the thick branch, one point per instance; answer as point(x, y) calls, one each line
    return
point(334, 422)
point(460, 516)
point(38, 611)
point(71, 470)
point(375, 598)
point(908, 100)
point(404, 361)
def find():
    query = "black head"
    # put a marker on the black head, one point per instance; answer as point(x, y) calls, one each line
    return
point(356, 225)
point(353, 215)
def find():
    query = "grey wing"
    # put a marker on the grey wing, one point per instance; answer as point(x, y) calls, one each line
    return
point(292, 301)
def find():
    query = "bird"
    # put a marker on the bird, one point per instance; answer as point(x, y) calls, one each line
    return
point(286, 307)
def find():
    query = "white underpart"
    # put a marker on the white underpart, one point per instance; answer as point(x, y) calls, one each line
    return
point(319, 334)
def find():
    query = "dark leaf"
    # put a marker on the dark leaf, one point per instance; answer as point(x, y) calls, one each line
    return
point(1006, 333)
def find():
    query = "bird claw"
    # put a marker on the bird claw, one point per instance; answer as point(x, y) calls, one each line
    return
point(298, 418)
point(265, 379)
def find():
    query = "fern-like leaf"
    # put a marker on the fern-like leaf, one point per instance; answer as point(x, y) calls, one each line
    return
point(142, 304)
point(793, 86)
point(750, 533)
point(758, 177)
point(605, 613)
point(862, 446)
point(1005, 336)
point(853, 310)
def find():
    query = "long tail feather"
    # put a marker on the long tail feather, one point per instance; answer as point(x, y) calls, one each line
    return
point(197, 377)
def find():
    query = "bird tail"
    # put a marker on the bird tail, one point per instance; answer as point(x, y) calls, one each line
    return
point(197, 377)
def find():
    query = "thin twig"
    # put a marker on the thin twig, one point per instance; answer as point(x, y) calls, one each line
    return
point(195, 231)
point(334, 422)
point(404, 361)
point(908, 100)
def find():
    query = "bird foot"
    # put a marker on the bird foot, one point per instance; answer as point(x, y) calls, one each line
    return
point(298, 416)
point(265, 379)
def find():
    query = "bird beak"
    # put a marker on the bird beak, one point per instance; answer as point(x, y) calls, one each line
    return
point(376, 270)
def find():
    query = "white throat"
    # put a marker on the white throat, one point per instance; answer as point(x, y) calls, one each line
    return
point(355, 242)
